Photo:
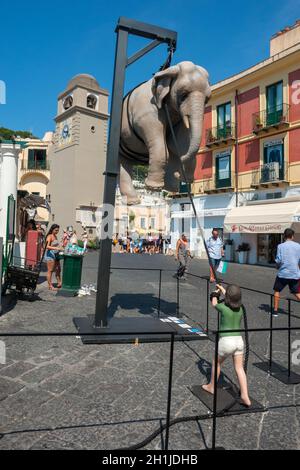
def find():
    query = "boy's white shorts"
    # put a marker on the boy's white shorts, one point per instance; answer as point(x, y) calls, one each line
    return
point(231, 346)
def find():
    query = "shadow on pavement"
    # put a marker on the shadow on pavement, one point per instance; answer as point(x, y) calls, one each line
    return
point(145, 304)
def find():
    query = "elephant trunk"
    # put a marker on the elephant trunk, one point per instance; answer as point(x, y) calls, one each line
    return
point(195, 125)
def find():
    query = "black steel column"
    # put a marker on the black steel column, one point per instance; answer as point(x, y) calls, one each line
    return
point(207, 305)
point(169, 391)
point(271, 334)
point(159, 294)
point(289, 339)
point(215, 401)
point(111, 174)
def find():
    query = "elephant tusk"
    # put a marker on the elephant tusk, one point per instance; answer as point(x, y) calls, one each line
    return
point(186, 122)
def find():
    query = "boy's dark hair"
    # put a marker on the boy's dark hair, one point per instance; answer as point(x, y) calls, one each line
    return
point(233, 297)
point(288, 233)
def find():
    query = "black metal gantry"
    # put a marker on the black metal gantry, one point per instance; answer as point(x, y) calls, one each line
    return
point(125, 27)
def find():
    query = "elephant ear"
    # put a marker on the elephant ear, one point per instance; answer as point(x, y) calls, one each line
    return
point(161, 84)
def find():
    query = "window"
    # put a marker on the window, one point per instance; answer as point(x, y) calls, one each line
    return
point(274, 103)
point(223, 120)
point(37, 159)
point(143, 222)
point(273, 195)
point(35, 193)
point(223, 170)
point(91, 101)
point(185, 206)
point(184, 187)
point(152, 222)
point(273, 167)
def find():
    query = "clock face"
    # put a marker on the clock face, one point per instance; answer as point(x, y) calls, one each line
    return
point(65, 131)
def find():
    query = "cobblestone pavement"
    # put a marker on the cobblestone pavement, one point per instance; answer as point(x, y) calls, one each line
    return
point(56, 393)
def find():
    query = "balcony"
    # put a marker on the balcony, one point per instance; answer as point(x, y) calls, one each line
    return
point(33, 166)
point(267, 120)
point(270, 174)
point(217, 136)
point(217, 186)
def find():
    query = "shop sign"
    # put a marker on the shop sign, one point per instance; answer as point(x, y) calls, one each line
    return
point(257, 228)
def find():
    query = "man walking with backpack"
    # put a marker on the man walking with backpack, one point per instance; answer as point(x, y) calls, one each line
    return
point(287, 261)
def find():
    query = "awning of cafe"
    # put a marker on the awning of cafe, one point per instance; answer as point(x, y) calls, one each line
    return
point(264, 217)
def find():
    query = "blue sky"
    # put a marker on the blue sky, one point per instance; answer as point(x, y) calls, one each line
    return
point(44, 44)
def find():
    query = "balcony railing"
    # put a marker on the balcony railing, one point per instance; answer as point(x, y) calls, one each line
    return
point(216, 185)
point(270, 174)
point(273, 117)
point(35, 165)
point(219, 135)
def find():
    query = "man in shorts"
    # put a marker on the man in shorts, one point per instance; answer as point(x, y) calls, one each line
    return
point(287, 260)
point(215, 250)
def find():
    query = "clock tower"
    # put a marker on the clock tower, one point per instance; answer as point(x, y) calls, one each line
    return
point(77, 159)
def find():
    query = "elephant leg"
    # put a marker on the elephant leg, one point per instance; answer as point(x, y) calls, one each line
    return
point(158, 154)
point(171, 181)
point(126, 186)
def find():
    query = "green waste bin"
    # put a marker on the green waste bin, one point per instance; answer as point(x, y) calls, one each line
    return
point(72, 269)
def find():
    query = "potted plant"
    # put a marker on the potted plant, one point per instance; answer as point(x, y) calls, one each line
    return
point(257, 123)
point(242, 251)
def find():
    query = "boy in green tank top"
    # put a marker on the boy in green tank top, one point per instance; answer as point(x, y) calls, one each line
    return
point(231, 343)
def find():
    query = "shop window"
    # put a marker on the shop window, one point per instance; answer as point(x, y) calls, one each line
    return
point(223, 120)
point(223, 170)
point(274, 103)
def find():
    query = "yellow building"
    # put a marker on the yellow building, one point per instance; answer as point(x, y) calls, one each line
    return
point(34, 169)
point(151, 216)
point(250, 152)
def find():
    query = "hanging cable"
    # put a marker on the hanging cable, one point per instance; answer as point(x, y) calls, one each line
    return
point(247, 348)
point(189, 193)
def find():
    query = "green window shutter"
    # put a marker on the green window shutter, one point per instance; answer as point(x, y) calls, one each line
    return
point(31, 162)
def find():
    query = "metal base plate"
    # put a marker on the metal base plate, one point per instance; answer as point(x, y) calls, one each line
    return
point(279, 372)
point(225, 398)
point(124, 330)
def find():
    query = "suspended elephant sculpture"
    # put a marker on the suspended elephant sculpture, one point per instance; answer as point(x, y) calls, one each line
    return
point(145, 133)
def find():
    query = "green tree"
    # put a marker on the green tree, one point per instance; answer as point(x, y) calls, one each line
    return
point(140, 172)
point(7, 134)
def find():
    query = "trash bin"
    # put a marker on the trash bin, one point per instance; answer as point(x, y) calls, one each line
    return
point(72, 269)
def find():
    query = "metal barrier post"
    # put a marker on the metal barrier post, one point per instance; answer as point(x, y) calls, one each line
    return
point(169, 391)
point(213, 444)
point(289, 338)
point(177, 303)
point(1, 254)
point(159, 294)
point(271, 332)
point(207, 304)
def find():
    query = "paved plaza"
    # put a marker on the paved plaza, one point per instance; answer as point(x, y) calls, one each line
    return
point(56, 393)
